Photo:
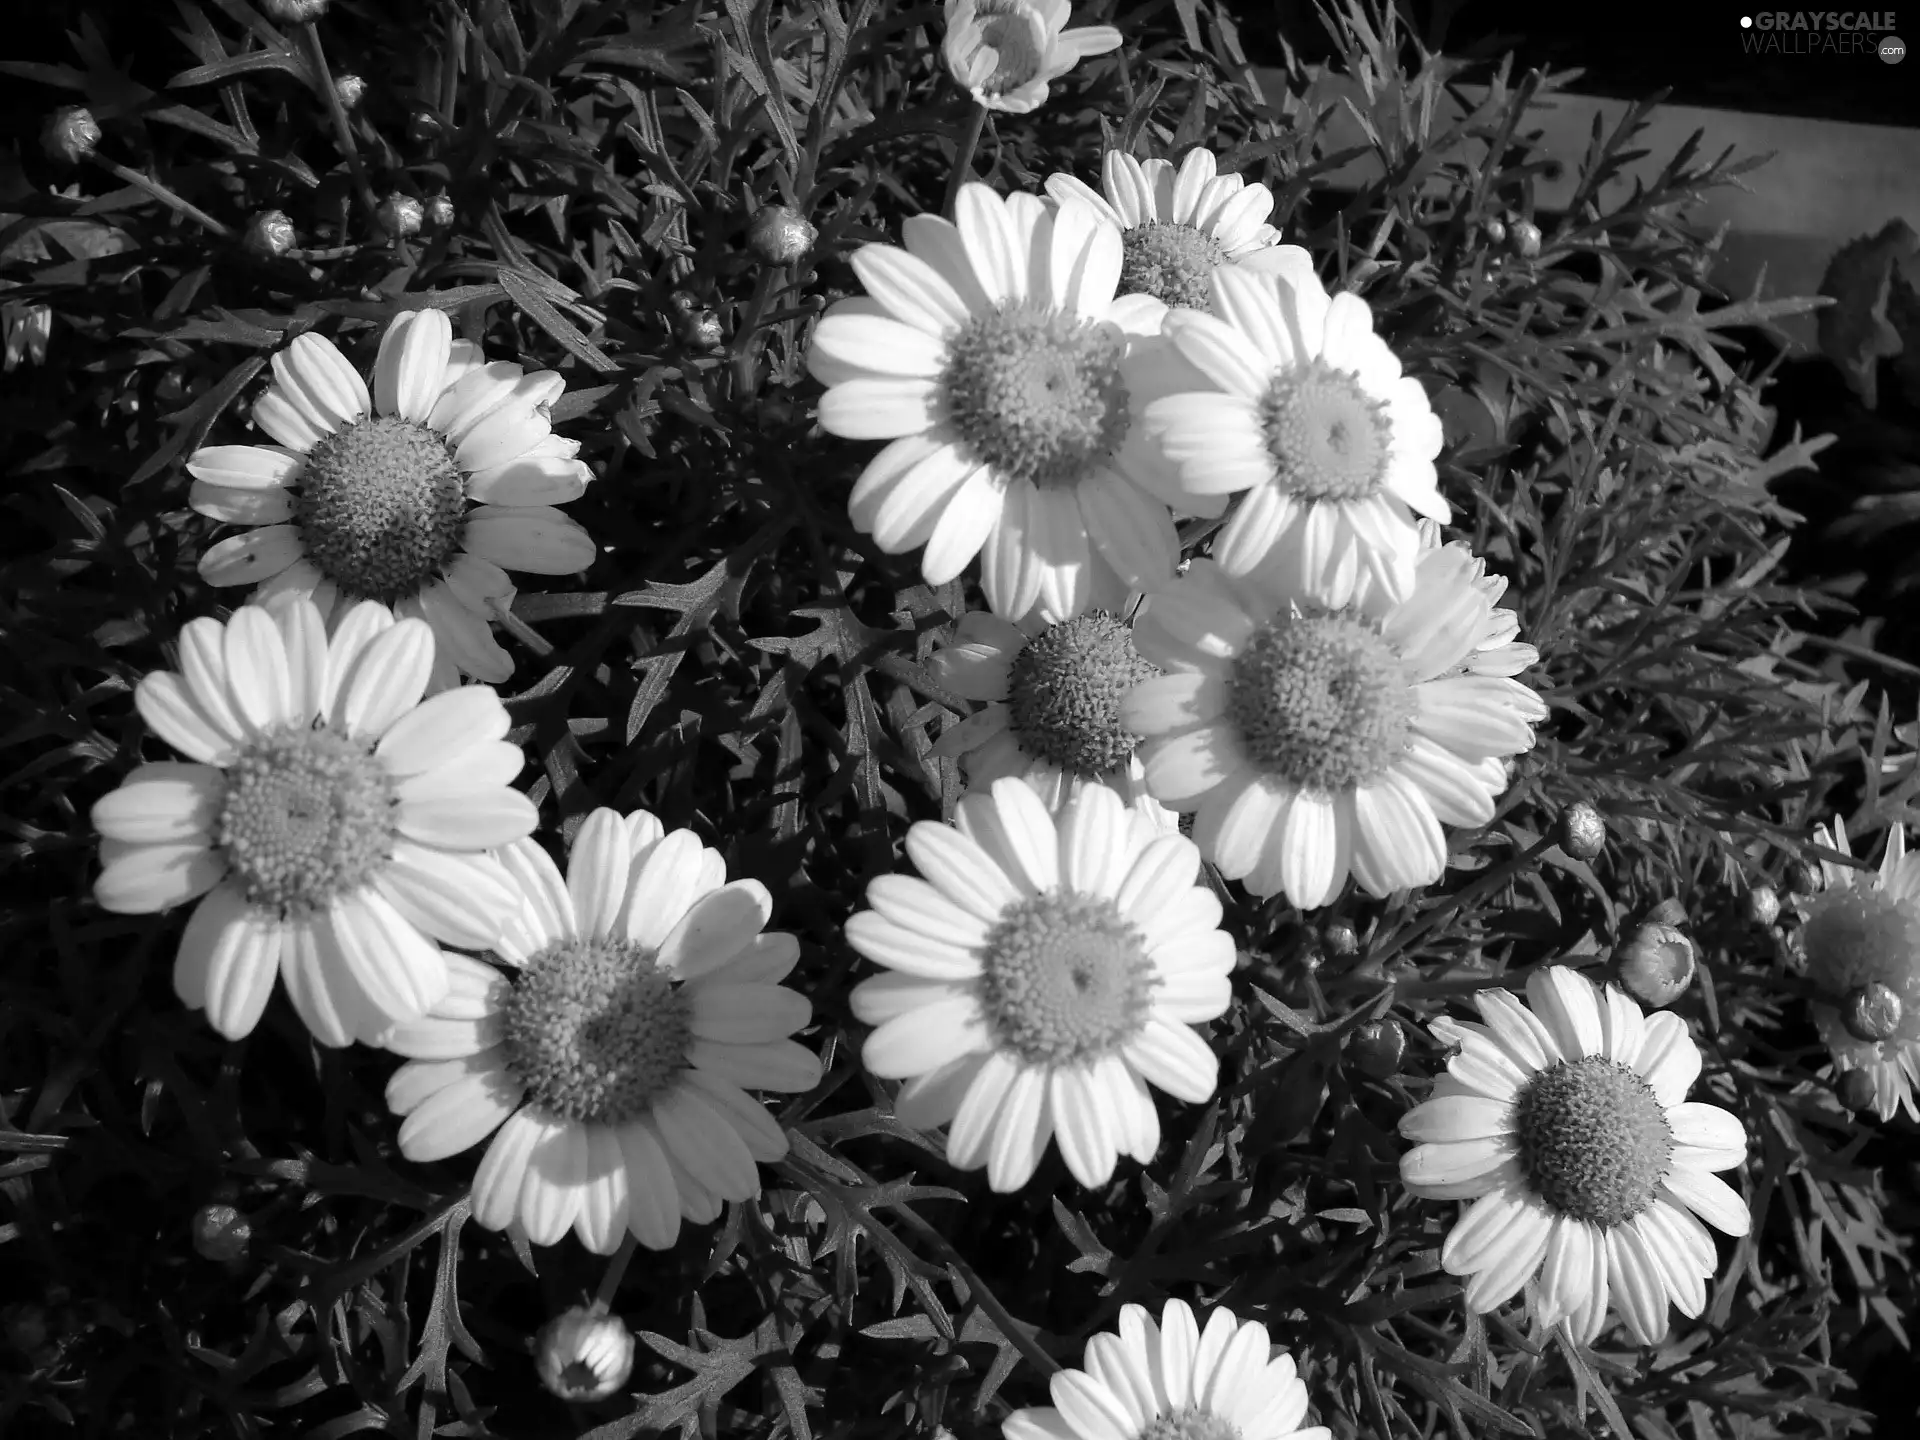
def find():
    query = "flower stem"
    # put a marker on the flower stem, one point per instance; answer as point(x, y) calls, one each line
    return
point(616, 1272)
point(163, 195)
point(963, 157)
point(317, 58)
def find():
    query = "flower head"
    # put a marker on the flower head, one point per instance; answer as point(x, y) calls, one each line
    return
point(1007, 52)
point(334, 822)
point(1314, 741)
point(583, 1355)
point(1044, 972)
point(993, 355)
point(1567, 1125)
point(1861, 938)
point(612, 1067)
point(1305, 409)
point(1174, 1381)
point(420, 494)
point(1177, 225)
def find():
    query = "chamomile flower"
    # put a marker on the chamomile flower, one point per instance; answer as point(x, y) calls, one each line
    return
point(1568, 1127)
point(1177, 225)
point(421, 494)
point(334, 822)
point(1307, 412)
point(612, 1067)
point(1174, 1381)
point(1314, 741)
point(1044, 973)
point(1863, 930)
point(1051, 706)
point(1007, 52)
point(992, 354)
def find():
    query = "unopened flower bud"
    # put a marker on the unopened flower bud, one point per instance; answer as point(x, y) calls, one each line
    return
point(1804, 879)
point(1581, 832)
point(700, 330)
point(1763, 905)
point(583, 1355)
point(25, 1326)
point(220, 1232)
point(71, 133)
point(440, 212)
point(1494, 229)
point(1667, 912)
point(402, 215)
point(1855, 1089)
point(1524, 237)
point(1378, 1048)
point(1873, 1012)
point(1656, 965)
point(423, 127)
point(293, 12)
point(1340, 939)
point(350, 88)
point(270, 234)
point(780, 236)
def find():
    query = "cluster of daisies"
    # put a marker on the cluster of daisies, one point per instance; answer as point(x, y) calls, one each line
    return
point(1066, 384)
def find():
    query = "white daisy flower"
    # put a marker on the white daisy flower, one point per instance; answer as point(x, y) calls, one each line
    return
point(1568, 1127)
point(1051, 706)
point(993, 355)
point(1043, 975)
point(365, 496)
point(612, 1069)
point(1007, 52)
point(338, 821)
point(1316, 741)
point(1308, 413)
point(1176, 226)
point(1174, 1381)
point(1863, 931)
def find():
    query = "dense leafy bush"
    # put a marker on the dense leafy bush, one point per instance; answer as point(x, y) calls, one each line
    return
point(584, 186)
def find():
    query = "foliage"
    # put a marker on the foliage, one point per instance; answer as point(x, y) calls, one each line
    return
point(742, 661)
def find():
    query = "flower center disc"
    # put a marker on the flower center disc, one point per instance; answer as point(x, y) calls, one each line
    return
point(1064, 697)
point(1009, 31)
point(595, 1030)
point(1192, 1423)
point(1172, 263)
point(1321, 700)
point(308, 816)
point(1037, 394)
point(1327, 436)
point(1858, 936)
point(380, 508)
point(1594, 1141)
point(1066, 979)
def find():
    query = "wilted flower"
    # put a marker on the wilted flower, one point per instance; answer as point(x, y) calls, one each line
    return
point(1007, 52)
point(584, 1355)
point(1862, 945)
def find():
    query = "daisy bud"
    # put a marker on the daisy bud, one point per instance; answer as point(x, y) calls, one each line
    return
point(220, 1232)
point(270, 235)
point(25, 1326)
point(583, 1355)
point(423, 127)
point(1494, 229)
point(440, 212)
point(1656, 965)
point(1803, 879)
point(1854, 1089)
point(1378, 1047)
point(1873, 1012)
point(402, 215)
point(700, 330)
point(1524, 237)
point(1667, 912)
point(70, 134)
point(1763, 905)
point(1582, 832)
point(294, 12)
point(350, 88)
point(780, 236)
point(1340, 939)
